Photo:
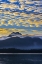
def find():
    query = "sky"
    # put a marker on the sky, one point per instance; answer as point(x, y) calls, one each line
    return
point(24, 16)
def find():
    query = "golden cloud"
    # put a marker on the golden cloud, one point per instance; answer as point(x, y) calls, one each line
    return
point(6, 32)
point(19, 22)
point(17, 18)
point(12, 1)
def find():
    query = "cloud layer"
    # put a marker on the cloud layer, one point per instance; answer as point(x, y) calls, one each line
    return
point(23, 14)
point(26, 13)
point(6, 32)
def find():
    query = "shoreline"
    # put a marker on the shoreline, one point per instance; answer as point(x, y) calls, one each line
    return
point(19, 53)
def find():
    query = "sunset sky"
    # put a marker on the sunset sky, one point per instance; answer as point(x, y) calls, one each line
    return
point(24, 16)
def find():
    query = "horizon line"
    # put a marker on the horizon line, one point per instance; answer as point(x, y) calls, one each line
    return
point(19, 53)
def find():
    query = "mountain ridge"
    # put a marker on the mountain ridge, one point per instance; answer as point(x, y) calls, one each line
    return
point(17, 34)
point(18, 42)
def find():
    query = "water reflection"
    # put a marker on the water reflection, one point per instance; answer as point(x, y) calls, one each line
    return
point(21, 59)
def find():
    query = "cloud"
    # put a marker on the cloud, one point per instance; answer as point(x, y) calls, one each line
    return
point(10, 22)
point(22, 14)
point(24, 19)
point(12, 1)
point(5, 32)
point(20, 22)
point(11, 6)
point(37, 31)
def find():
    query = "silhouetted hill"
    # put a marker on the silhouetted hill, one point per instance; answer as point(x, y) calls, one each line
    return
point(16, 42)
point(13, 50)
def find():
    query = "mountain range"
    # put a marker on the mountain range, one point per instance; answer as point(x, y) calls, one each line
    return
point(17, 40)
point(17, 34)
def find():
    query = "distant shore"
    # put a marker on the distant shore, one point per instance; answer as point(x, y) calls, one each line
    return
point(17, 51)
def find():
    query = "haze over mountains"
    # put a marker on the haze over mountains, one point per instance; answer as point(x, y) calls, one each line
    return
point(18, 41)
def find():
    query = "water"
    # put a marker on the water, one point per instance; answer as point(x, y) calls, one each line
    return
point(21, 59)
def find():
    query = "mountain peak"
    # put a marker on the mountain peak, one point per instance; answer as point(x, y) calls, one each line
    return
point(14, 34)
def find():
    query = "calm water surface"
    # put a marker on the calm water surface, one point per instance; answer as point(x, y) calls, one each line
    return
point(21, 59)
